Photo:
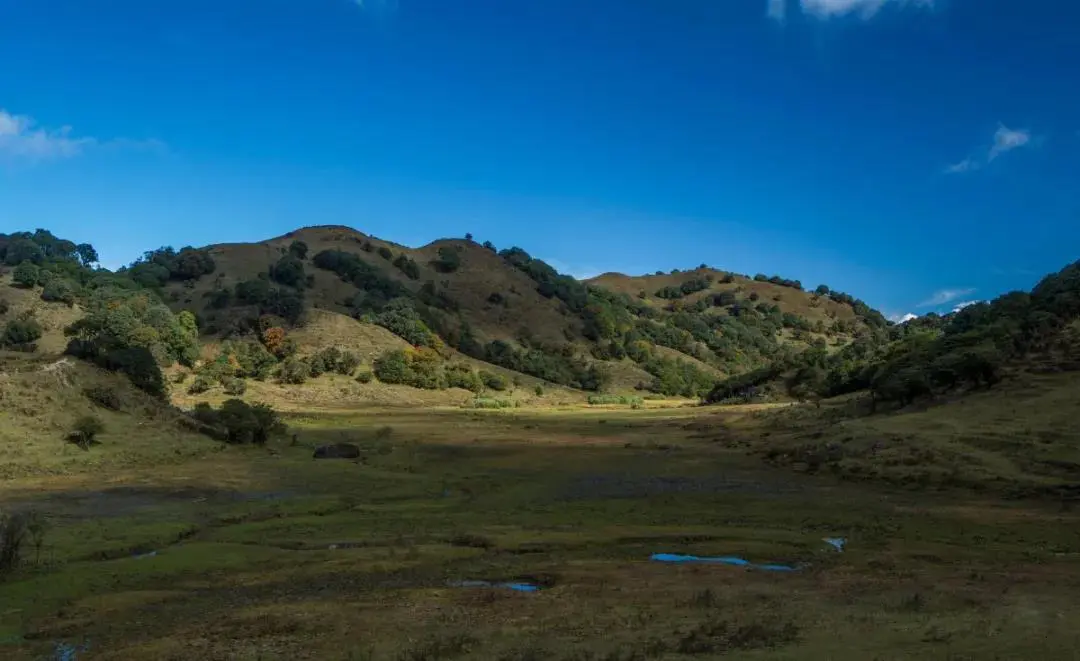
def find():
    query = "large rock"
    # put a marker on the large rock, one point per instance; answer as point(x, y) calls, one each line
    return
point(337, 451)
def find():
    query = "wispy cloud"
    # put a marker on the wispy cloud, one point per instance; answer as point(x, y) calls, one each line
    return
point(944, 296)
point(23, 140)
point(966, 165)
point(777, 10)
point(824, 9)
point(1005, 140)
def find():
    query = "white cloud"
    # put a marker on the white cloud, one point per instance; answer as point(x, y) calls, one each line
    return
point(944, 296)
point(966, 165)
point(960, 306)
point(824, 9)
point(21, 138)
point(903, 318)
point(1005, 140)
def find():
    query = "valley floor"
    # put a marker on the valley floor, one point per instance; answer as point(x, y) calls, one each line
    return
point(248, 553)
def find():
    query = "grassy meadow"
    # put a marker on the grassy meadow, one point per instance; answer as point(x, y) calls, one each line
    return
point(265, 553)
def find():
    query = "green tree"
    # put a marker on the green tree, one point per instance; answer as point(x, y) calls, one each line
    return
point(23, 250)
point(87, 255)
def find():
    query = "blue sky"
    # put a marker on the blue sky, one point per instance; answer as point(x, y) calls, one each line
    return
point(916, 154)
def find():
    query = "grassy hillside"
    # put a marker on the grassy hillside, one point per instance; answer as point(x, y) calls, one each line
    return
point(1020, 438)
point(806, 305)
point(508, 309)
point(41, 398)
point(481, 274)
point(53, 317)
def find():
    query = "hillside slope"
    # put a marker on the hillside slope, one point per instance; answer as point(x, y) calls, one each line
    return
point(41, 398)
point(514, 311)
point(53, 317)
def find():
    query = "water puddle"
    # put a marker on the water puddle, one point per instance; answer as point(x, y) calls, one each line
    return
point(837, 543)
point(734, 561)
point(517, 586)
point(68, 652)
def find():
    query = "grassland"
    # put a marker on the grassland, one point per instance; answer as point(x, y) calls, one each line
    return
point(268, 554)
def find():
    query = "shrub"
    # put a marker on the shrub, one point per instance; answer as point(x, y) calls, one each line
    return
point(20, 334)
point(234, 386)
point(298, 249)
point(86, 430)
point(625, 400)
point(407, 266)
point(403, 320)
point(392, 367)
point(347, 363)
point(448, 261)
point(289, 271)
point(26, 275)
point(494, 381)
point(104, 397)
point(243, 422)
point(323, 361)
point(385, 253)
point(295, 371)
point(4, 306)
point(201, 384)
point(365, 376)
point(460, 376)
point(59, 290)
point(416, 368)
point(489, 403)
point(539, 391)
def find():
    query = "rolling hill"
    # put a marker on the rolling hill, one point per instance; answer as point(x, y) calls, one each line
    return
point(508, 309)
